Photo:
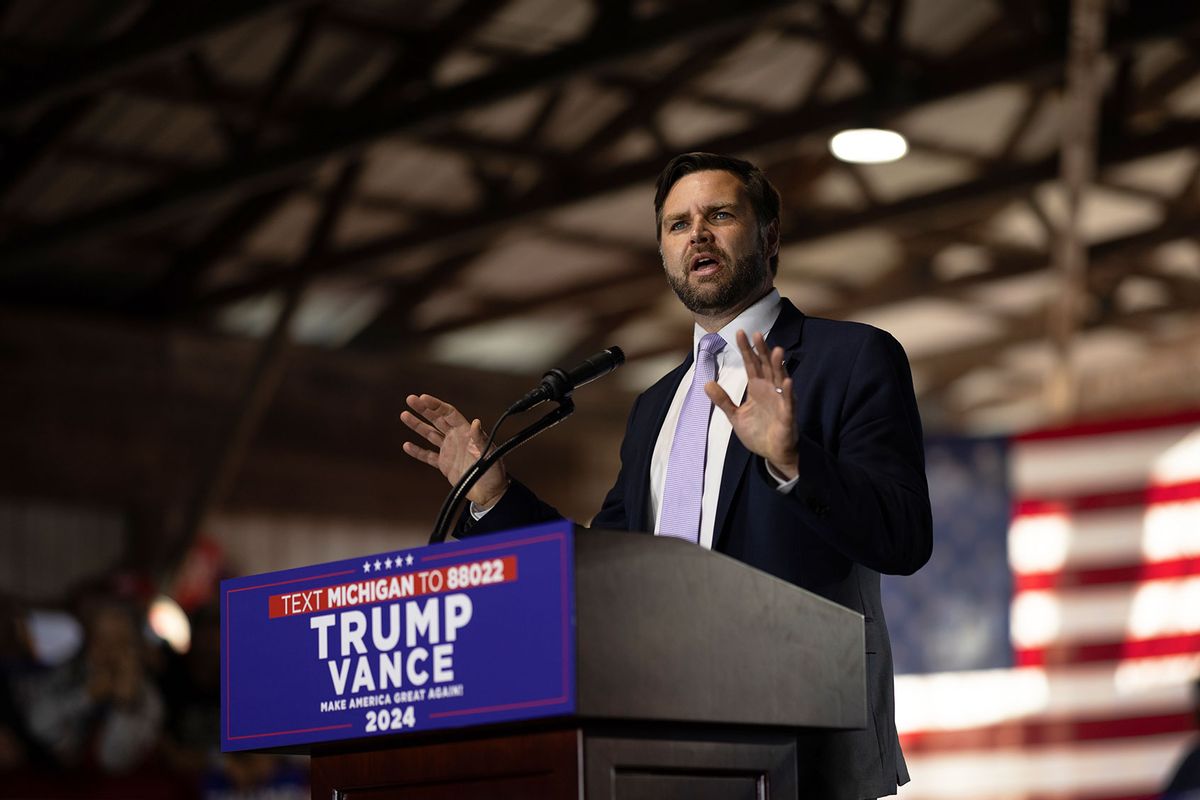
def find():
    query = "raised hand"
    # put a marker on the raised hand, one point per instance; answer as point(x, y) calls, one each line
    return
point(765, 421)
point(457, 444)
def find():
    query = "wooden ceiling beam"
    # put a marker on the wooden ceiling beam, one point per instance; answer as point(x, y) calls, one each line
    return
point(652, 97)
point(26, 151)
point(1013, 179)
point(161, 33)
point(298, 48)
point(300, 109)
point(1173, 77)
point(352, 131)
point(897, 286)
point(984, 189)
point(236, 136)
point(939, 370)
point(416, 59)
point(180, 281)
point(636, 282)
point(394, 322)
point(178, 284)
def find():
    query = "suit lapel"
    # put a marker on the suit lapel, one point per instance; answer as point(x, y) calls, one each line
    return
point(784, 333)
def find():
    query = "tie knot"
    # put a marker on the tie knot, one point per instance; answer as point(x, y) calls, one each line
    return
point(712, 343)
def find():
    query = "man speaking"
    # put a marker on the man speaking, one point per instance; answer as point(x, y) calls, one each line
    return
point(812, 471)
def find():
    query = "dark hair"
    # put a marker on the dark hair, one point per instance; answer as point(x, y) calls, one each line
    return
point(764, 198)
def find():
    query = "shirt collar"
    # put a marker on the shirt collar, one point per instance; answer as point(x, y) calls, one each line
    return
point(758, 317)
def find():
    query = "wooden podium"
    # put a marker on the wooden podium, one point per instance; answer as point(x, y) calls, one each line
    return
point(697, 676)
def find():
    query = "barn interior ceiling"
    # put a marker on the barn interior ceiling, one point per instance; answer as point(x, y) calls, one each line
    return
point(460, 189)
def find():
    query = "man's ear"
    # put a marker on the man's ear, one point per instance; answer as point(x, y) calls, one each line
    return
point(771, 239)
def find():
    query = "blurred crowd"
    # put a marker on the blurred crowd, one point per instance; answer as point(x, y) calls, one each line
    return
point(94, 704)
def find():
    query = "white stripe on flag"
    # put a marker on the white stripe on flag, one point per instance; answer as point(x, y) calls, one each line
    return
point(1112, 768)
point(948, 701)
point(1051, 542)
point(1106, 613)
point(1103, 463)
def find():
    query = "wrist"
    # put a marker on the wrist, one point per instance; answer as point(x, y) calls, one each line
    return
point(486, 502)
point(786, 467)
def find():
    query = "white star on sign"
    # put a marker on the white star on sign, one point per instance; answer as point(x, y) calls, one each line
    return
point(366, 566)
point(387, 562)
point(377, 565)
point(408, 560)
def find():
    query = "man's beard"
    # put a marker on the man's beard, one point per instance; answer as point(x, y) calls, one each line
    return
point(747, 275)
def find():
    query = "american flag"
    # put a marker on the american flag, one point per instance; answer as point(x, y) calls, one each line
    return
point(1048, 649)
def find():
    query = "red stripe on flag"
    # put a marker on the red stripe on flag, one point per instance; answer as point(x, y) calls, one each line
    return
point(1145, 496)
point(1025, 733)
point(1127, 425)
point(1128, 573)
point(1056, 655)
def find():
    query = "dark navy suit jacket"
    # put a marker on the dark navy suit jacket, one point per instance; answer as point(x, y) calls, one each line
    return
point(861, 508)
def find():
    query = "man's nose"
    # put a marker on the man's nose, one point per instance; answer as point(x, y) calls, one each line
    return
point(700, 232)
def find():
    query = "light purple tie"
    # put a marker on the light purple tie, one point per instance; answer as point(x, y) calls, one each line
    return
point(685, 470)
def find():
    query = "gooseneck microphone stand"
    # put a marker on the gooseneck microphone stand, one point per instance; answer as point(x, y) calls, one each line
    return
point(566, 407)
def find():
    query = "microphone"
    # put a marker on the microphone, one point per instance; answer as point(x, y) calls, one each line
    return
point(557, 384)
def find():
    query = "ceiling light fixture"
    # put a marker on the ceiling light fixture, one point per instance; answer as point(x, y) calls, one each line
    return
point(868, 146)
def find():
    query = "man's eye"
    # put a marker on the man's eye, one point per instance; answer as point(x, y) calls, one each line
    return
point(721, 215)
point(678, 225)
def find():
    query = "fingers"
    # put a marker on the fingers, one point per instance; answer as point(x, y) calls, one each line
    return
point(435, 421)
point(421, 454)
point(439, 413)
point(753, 365)
point(769, 361)
point(720, 398)
point(778, 374)
point(475, 443)
point(760, 361)
point(422, 428)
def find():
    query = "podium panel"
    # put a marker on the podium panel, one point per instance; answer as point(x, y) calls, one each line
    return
point(592, 665)
point(541, 765)
point(667, 765)
point(685, 767)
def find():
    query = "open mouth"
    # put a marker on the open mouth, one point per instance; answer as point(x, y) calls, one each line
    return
point(704, 264)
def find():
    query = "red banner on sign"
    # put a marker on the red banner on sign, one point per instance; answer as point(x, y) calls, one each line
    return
point(456, 577)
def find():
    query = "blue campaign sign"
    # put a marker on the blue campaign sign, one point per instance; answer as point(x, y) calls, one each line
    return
point(446, 636)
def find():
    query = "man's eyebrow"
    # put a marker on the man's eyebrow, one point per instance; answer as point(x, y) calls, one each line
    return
point(706, 209)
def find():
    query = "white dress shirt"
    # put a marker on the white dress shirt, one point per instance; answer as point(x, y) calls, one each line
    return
point(731, 376)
